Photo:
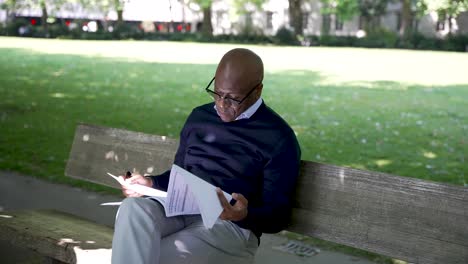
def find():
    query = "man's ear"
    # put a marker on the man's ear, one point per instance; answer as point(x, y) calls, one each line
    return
point(259, 91)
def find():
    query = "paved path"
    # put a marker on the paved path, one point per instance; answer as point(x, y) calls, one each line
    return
point(23, 192)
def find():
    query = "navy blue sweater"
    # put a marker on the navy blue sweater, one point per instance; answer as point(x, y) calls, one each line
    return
point(258, 157)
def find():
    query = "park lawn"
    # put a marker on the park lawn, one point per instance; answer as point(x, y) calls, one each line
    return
point(394, 111)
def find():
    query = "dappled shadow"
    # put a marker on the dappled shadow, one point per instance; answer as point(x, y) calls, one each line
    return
point(377, 125)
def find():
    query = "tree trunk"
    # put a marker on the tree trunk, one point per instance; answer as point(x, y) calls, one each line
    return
point(406, 17)
point(119, 9)
point(295, 16)
point(450, 25)
point(120, 16)
point(44, 18)
point(10, 12)
point(207, 28)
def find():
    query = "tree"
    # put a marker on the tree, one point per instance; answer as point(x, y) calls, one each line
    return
point(406, 18)
point(371, 11)
point(46, 6)
point(104, 6)
point(344, 10)
point(449, 9)
point(245, 7)
point(295, 16)
point(207, 27)
point(9, 6)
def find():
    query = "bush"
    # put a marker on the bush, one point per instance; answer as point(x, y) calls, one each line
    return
point(13, 28)
point(337, 41)
point(58, 30)
point(456, 43)
point(379, 38)
point(285, 36)
point(3, 30)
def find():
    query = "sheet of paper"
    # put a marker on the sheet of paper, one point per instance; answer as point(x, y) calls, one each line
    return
point(111, 204)
point(204, 192)
point(145, 190)
point(180, 199)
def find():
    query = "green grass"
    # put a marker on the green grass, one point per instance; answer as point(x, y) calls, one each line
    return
point(395, 111)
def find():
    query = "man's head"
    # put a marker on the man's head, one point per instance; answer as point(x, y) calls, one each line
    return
point(239, 76)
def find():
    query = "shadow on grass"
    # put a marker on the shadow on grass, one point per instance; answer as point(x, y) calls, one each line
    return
point(415, 131)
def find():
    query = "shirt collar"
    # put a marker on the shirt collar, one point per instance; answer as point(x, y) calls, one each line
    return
point(250, 111)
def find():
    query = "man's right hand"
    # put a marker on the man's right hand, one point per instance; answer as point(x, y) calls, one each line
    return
point(135, 179)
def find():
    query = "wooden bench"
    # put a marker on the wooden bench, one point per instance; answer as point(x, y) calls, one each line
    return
point(405, 218)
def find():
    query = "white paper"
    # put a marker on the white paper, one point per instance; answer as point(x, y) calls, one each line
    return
point(186, 194)
point(141, 189)
point(112, 203)
point(205, 195)
point(180, 199)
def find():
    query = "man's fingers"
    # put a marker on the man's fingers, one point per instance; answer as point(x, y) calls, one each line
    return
point(240, 199)
point(224, 202)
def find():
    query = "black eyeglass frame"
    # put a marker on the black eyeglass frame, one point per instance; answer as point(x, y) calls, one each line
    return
point(213, 93)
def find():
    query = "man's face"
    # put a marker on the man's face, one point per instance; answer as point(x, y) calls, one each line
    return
point(228, 110)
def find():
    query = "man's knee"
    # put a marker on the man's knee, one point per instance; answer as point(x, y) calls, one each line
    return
point(133, 206)
point(129, 204)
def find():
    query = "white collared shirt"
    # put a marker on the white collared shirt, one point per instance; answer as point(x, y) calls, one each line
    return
point(249, 111)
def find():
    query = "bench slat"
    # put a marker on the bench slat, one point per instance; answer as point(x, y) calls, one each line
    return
point(97, 150)
point(405, 218)
point(409, 219)
point(58, 235)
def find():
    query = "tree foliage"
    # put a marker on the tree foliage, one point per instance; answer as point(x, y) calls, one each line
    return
point(344, 9)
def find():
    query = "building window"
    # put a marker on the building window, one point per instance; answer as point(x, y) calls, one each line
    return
point(305, 20)
point(219, 18)
point(440, 25)
point(338, 23)
point(361, 22)
point(269, 20)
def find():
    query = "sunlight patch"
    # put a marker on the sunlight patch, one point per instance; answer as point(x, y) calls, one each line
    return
point(110, 155)
point(58, 95)
point(382, 162)
point(64, 241)
point(6, 216)
point(429, 155)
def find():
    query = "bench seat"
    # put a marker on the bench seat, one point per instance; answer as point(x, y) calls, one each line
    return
point(62, 237)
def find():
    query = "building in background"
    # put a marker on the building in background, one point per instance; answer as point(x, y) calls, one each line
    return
point(227, 17)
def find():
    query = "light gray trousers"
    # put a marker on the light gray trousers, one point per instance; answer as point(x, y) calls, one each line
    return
point(143, 234)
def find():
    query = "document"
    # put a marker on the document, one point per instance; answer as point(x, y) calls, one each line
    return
point(186, 194)
point(204, 193)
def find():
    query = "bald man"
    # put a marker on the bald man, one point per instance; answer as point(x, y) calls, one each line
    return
point(236, 143)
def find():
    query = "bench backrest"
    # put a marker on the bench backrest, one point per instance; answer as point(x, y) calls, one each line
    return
point(404, 218)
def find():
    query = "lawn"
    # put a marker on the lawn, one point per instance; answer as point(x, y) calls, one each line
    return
point(395, 111)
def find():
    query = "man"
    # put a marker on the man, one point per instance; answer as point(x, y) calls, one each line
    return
point(236, 143)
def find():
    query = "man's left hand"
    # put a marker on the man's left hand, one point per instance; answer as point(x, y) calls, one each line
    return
point(235, 212)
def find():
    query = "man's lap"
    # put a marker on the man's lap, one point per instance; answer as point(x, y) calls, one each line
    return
point(186, 240)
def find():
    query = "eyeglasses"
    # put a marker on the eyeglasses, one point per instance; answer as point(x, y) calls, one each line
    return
point(216, 96)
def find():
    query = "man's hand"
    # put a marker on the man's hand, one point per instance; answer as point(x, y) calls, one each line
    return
point(135, 179)
point(235, 212)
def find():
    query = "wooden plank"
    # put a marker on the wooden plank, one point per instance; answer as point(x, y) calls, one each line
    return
point(406, 218)
point(97, 150)
point(60, 236)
